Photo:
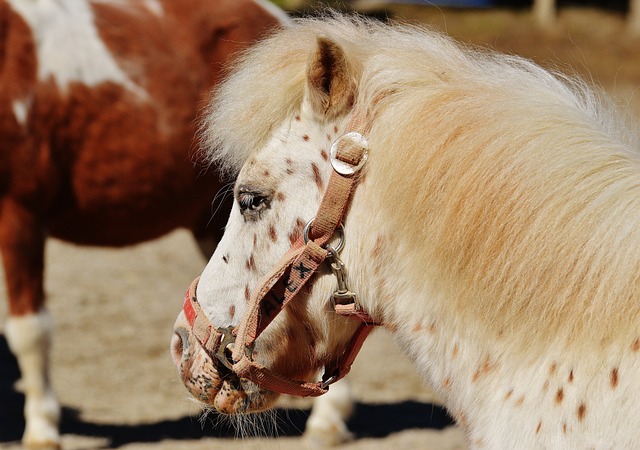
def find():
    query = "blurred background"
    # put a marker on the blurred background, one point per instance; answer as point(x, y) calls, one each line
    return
point(111, 366)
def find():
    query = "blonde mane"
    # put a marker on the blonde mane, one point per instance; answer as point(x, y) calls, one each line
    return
point(523, 188)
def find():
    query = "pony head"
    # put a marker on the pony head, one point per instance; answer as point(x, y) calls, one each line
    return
point(282, 180)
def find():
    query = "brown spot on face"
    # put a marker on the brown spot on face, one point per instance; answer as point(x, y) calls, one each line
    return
point(391, 327)
point(564, 427)
point(475, 376)
point(280, 196)
point(297, 231)
point(559, 396)
point(232, 311)
point(545, 386)
point(255, 240)
point(272, 233)
point(417, 327)
point(317, 177)
point(305, 137)
point(297, 118)
point(538, 427)
point(635, 346)
point(520, 401)
point(456, 349)
point(571, 376)
point(614, 378)
point(446, 384)
point(324, 155)
point(552, 368)
point(432, 328)
point(266, 173)
point(289, 162)
point(335, 129)
point(582, 411)
point(508, 395)
point(247, 294)
point(329, 137)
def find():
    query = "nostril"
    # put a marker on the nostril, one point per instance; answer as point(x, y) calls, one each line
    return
point(179, 344)
point(176, 348)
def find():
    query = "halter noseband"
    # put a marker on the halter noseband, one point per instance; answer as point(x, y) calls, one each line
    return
point(233, 347)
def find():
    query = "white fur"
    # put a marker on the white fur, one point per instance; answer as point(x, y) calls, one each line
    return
point(21, 110)
point(155, 7)
point(68, 44)
point(29, 338)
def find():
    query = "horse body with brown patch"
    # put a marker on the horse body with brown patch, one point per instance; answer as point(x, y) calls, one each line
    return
point(98, 105)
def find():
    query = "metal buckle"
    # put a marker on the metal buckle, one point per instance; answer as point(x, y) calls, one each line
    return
point(324, 384)
point(342, 167)
point(343, 295)
point(227, 341)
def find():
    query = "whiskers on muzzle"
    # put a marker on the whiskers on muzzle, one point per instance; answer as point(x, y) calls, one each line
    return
point(244, 425)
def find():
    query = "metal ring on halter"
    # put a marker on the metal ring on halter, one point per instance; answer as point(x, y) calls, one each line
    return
point(342, 167)
point(329, 381)
point(340, 230)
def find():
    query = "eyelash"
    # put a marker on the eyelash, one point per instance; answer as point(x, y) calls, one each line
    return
point(252, 204)
point(251, 201)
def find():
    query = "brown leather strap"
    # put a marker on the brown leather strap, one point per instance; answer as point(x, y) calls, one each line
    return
point(205, 333)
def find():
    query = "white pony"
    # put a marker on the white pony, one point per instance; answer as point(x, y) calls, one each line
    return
point(494, 229)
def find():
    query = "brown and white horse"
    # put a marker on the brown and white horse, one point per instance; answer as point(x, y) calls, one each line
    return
point(98, 101)
point(494, 228)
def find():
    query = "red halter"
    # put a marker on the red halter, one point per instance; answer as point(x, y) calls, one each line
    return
point(289, 275)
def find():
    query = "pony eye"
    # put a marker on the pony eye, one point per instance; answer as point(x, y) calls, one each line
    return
point(252, 203)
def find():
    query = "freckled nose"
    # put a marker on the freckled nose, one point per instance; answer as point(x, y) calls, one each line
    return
point(179, 345)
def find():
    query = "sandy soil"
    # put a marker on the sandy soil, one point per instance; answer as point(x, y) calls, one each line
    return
point(113, 309)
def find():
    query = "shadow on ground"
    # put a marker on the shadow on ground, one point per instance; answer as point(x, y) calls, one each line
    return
point(369, 420)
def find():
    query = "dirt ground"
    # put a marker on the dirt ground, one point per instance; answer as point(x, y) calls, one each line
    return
point(113, 309)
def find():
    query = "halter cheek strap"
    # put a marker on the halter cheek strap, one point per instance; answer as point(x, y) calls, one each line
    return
point(284, 282)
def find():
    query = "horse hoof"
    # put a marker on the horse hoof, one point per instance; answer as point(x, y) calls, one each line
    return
point(41, 445)
point(42, 437)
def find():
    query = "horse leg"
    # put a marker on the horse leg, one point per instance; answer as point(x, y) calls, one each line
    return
point(544, 12)
point(633, 18)
point(326, 425)
point(28, 329)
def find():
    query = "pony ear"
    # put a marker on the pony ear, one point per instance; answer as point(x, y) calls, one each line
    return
point(329, 87)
